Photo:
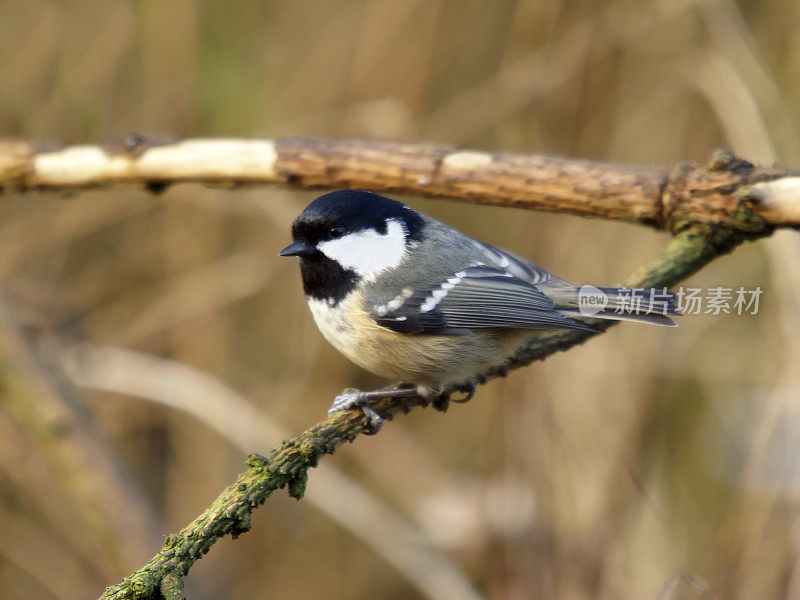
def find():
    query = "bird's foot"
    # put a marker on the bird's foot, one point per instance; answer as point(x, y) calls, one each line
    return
point(352, 399)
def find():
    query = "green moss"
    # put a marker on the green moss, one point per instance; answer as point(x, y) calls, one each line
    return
point(143, 585)
point(172, 587)
point(297, 486)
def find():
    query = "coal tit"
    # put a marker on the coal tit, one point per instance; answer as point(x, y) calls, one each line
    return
point(407, 297)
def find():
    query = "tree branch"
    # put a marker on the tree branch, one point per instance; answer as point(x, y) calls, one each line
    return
point(287, 466)
point(665, 198)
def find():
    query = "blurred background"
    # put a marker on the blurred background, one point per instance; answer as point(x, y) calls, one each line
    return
point(148, 342)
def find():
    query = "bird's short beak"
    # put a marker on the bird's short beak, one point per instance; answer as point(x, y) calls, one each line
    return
point(297, 249)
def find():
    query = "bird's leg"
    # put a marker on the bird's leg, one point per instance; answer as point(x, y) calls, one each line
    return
point(351, 398)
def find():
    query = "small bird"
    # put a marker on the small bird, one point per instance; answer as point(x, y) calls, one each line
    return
point(407, 297)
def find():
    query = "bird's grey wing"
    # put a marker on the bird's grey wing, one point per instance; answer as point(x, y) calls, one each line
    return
point(510, 263)
point(478, 297)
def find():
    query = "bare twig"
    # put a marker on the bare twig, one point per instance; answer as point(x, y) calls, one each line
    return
point(664, 198)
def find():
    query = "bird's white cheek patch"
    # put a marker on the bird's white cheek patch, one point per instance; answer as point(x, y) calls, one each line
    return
point(368, 252)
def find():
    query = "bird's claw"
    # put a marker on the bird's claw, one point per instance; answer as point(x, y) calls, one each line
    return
point(442, 401)
point(351, 399)
point(468, 388)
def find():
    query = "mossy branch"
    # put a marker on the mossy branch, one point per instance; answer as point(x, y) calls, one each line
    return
point(287, 466)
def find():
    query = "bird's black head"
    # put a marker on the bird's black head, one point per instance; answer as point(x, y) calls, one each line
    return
point(349, 234)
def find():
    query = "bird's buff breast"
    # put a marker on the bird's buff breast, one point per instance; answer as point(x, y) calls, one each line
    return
point(430, 359)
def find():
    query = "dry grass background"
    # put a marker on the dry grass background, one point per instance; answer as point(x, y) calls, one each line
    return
point(605, 472)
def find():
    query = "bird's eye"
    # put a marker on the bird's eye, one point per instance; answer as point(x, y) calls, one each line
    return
point(336, 231)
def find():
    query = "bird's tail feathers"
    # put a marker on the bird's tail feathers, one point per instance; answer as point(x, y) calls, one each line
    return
point(644, 305)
